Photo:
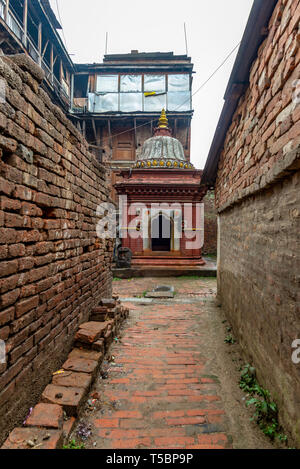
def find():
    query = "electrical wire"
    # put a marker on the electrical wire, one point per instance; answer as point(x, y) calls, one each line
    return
point(62, 29)
point(193, 94)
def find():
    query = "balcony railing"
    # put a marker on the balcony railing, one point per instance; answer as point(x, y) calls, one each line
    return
point(2, 8)
point(15, 26)
point(62, 89)
point(33, 51)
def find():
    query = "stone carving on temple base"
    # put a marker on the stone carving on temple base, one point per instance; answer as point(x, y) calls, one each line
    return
point(124, 256)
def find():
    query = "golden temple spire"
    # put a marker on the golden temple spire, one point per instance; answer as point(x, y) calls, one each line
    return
point(163, 121)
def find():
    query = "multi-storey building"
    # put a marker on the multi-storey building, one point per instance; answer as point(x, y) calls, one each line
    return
point(117, 103)
point(31, 27)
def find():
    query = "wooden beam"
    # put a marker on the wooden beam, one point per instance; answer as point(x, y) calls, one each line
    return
point(61, 71)
point(95, 131)
point(40, 43)
point(55, 59)
point(99, 135)
point(135, 137)
point(109, 133)
point(72, 93)
point(51, 62)
point(6, 10)
point(45, 48)
point(25, 17)
point(84, 129)
point(187, 134)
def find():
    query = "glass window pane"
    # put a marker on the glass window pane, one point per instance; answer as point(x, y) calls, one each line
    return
point(131, 83)
point(107, 83)
point(130, 102)
point(103, 102)
point(179, 82)
point(179, 101)
point(155, 83)
point(155, 103)
point(91, 102)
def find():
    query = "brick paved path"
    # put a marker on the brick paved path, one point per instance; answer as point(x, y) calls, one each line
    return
point(159, 392)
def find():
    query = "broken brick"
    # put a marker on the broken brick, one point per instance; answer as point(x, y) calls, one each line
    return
point(70, 398)
point(91, 331)
point(99, 345)
point(21, 438)
point(68, 426)
point(83, 365)
point(84, 353)
point(72, 379)
point(46, 415)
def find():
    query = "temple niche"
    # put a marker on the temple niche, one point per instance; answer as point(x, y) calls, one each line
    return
point(161, 204)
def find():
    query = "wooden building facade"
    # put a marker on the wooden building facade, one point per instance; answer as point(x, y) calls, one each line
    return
point(117, 103)
point(31, 27)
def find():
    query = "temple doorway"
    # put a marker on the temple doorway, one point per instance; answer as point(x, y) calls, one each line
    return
point(161, 233)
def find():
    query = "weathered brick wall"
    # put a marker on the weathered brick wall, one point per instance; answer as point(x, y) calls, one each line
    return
point(258, 198)
point(258, 285)
point(53, 268)
point(266, 124)
point(210, 224)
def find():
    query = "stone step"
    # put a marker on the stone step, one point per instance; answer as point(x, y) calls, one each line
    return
point(46, 428)
point(46, 415)
point(72, 379)
point(70, 398)
point(99, 345)
point(82, 365)
point(34, 438)
point(68, 426)
point(80, 352)
point(108, 302)
point(91, 331)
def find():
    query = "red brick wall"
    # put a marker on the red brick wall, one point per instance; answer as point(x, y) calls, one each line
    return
point(258, 199)
point(266, 124)
point(53, 268)
point(210, 224)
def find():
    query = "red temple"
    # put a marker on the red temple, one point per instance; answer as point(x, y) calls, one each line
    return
point(160, 203)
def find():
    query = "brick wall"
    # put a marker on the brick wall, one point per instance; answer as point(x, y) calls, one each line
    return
point(53, 268)
point(258, 198)
point(266, 124)
point(210, 224)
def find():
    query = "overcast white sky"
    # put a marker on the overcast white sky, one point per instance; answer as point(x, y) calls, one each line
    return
point(214, 27)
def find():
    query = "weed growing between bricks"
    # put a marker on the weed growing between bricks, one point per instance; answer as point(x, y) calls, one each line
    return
point(266, 411)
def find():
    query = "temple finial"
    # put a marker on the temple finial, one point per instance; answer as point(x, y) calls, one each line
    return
point(163, 121)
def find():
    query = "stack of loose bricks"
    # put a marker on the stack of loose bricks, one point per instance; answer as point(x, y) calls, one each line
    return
point(52, 420)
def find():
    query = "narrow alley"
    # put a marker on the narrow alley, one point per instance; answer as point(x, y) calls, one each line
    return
point(170, 380)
